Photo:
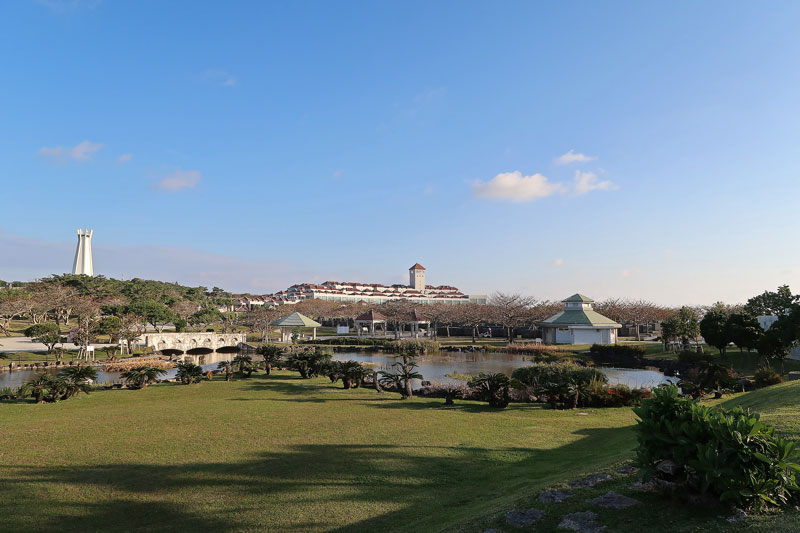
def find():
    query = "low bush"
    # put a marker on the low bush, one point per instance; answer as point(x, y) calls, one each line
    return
point(538, 351)
point(693, 357)
point(413, 346)
point(764, 377)
point(630, 350)
point(730, 454)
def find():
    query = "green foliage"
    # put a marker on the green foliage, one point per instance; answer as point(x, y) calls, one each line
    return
point(141, 376)
point(730, 454)
point(744, 330)
point(76, 379)
point(111, 326)
point(244, 365)
point(43, 388)
point(153, 311)
point(309, 364)
point(399, 378)
point(627, 350)
point(189, 373)
point(47, 333)
point(495, 388)
point(693, 357)
point(271, 354)
point(772, 303)
point(716, 330)
point(764, 377)
point(683, 325)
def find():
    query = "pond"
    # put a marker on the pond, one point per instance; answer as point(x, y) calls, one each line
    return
point(435, 367)
point(432, 367)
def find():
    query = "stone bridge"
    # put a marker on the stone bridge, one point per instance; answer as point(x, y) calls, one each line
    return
point(201, 342)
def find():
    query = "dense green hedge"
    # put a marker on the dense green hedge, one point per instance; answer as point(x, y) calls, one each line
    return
point(627, 350)
point(730, 454)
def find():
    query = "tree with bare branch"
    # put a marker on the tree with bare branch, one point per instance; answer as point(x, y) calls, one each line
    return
point(510, 310)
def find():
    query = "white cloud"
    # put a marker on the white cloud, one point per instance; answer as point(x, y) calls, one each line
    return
point(124, 158)
point(429, 190)
point(572, 157)
point(82, 151)
point(337, 174)
point(558, 262)
point(220, 77)
point(516, 187)
point(587, 181)
point(178, 180)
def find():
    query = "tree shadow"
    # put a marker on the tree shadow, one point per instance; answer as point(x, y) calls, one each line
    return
point(309, 487)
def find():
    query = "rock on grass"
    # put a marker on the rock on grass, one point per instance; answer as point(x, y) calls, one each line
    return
point(584, 522)
point(554, 496)
point(589, 481)
point(523, 518)
point(613, 500)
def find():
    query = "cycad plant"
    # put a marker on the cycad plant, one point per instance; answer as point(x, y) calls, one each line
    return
point(43, 388)
point(352, 373)
point(272, 355)
point(141, 376)
point(189, 373)
point(76, 379)
point(244, 365)
point(495, 388)
point(400, 378)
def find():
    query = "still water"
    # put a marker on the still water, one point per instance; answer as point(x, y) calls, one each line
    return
point(432, 367)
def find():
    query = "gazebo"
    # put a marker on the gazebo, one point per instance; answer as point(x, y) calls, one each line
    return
point(414, 320)
point(295, 320)
point(370, 319)
point(578, 323)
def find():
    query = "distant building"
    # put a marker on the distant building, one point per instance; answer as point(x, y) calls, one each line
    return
point(416, 291)
point(578, 323)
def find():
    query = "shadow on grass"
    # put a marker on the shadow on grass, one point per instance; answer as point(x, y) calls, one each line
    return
point(309, 487)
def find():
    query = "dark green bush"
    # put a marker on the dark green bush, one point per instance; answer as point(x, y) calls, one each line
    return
point(693, 357)
point(764, 377)
point(628, 350)
point(730, 454)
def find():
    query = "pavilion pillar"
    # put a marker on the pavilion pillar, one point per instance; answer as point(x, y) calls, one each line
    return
point(314, 334)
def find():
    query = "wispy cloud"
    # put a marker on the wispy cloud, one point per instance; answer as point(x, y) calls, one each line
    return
point(124, 158)
point(179, 180)
point(337, 174)
point(558, 262)
point(82, 151)
point(588, 181)
point(220, 77)
point(515, 187)
point(573, 157)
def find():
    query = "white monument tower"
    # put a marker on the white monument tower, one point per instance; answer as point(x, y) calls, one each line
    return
point(83, 254)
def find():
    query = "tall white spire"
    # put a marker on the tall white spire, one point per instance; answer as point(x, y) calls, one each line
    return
point(83, 254)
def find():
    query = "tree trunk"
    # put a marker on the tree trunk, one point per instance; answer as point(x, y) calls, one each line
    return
point(376, 381)
point(638, 334)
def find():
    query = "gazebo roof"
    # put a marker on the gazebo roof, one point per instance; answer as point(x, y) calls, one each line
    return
point(371, 316)
point(416, 316)
point(296, 320)
point(578, 297)
point(579, 317)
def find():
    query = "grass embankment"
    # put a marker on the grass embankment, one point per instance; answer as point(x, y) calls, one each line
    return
point(283, 454)
point(779, 405)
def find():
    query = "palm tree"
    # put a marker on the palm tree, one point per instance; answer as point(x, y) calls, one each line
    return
point(77, 379)
point(494, 387)
point(244, 365)
point(271, 354)
point(42, 387)
point(141, 376)
point(309, 364)
point(189, 373)
point(226, 366)
point(352, 373)
point(400, 378)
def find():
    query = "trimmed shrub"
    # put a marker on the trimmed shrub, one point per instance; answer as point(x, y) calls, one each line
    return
point(764, 377)
point(628, 350)
point(693, 357)
point(730, 454)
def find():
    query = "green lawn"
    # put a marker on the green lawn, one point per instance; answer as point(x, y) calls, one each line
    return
point(285, 454)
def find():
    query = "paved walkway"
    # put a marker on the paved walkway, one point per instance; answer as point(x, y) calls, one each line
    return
point(25, 344)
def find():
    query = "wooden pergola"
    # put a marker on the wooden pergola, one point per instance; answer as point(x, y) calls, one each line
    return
point(370, 319)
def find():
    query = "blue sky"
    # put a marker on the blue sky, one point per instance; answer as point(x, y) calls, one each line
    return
point(253, 145)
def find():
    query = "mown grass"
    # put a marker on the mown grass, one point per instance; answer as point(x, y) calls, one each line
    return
point(283, 454)
point(779, 405)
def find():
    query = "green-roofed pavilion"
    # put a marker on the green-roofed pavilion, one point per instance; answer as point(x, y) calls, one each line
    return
point(578, 323)
point(295, 320)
